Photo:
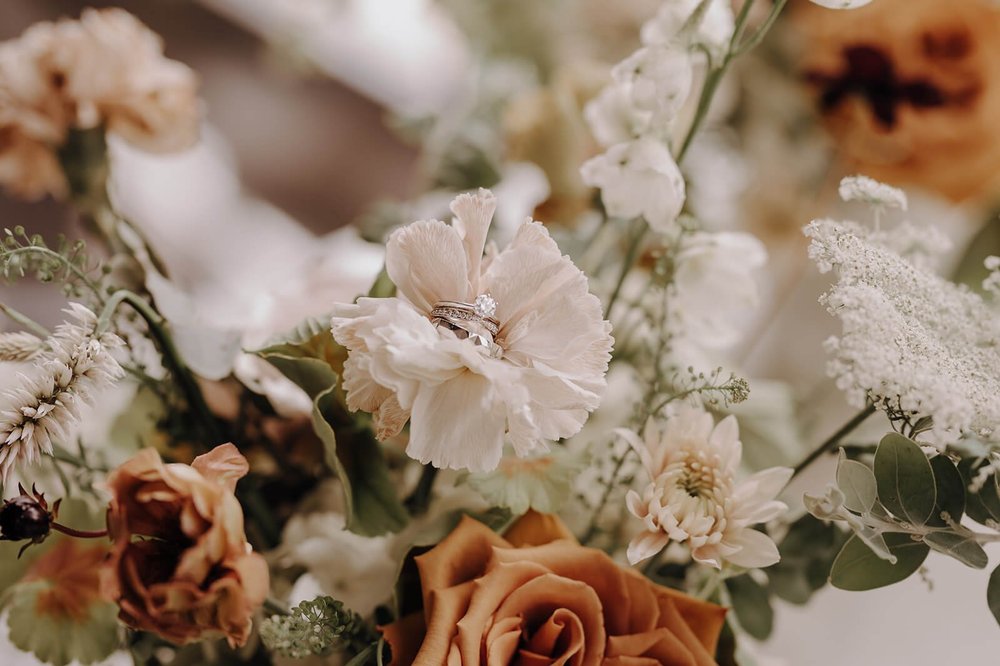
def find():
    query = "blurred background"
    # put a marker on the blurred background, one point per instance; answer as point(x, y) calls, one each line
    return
point(303, 101)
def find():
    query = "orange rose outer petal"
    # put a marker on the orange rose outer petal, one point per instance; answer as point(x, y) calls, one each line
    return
point(482, 593)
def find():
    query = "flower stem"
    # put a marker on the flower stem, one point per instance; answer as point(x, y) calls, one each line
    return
point(25, 320)
point(420, 498)
point(834, 439)
point(79, 534)
point(595, 518)
point(630, 257)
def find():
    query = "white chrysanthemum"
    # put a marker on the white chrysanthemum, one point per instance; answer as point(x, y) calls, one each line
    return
point(870, 191)
point(45, 408)
point(928, 346)
point(694, 496)
point(638, 178)
point(713, 31)
point(460, 399)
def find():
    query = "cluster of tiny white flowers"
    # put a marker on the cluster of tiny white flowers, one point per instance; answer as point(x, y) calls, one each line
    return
point(45, 407)
point(926, 345)
point(633, 116)
point(869, 190)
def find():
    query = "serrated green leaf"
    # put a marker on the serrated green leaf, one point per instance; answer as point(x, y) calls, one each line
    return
point(905, 479)
point(857, 568)
point(372, 507)
point(857, 482)
point(982, 506)
point(962, 547)
point(993, 594)
point(950, 492)
point(752, 606)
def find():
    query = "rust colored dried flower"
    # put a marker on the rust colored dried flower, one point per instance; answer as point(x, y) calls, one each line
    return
point(180, 565)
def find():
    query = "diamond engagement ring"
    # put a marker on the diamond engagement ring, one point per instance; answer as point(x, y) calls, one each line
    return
point(457, 313)
point(470, 321)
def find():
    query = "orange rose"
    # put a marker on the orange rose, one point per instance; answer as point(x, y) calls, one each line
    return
point(538, 597)
point(911, 89)
point(180, 565)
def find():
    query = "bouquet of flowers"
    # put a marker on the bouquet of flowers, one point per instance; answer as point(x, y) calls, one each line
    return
point(570, 403)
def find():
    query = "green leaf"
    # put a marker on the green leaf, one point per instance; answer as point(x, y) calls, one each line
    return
point(857, 568)
point(807, 553)
point(857, 482)
point(371, 504)
point(962, 547)
point(752, 606)
point(993, 594)
point(905, 480)
point(950, 493)
point(982, 506)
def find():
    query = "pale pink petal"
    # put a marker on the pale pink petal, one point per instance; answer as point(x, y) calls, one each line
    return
point(473, 214)
point(389, 418)
point(457, 425)
point(756, 549)
point(426, 261)
point(645, 545)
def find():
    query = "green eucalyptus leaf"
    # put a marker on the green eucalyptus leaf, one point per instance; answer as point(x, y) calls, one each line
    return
point(905, 479)
point(950, 492)
point(752, 606)
point(857, 482)
point(372, 506)
point(857, 568)
point(993, 594)
point(962, 547)
point(982, 506)
point(807, 553)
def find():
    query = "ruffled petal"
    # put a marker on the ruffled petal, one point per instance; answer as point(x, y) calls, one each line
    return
point(427, 262)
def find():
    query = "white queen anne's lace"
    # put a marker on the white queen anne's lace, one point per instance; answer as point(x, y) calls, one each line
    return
point(45, 407)
point(930, 347)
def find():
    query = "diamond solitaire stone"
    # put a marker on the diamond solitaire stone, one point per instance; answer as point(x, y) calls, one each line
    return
point(485, 305)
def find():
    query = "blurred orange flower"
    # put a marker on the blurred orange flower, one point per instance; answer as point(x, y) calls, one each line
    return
point(910, 90)
point(181, 566)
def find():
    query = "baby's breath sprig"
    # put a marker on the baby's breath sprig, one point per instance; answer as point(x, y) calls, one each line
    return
point(317, 627)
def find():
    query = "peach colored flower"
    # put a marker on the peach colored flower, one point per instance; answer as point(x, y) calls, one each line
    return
point(539, 384)
point(910, 90)
point(538, 597)
point(104, 70)
point(181, 566)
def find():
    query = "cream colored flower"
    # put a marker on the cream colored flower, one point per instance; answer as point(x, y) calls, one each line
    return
point(461, 399)
point(694, 497)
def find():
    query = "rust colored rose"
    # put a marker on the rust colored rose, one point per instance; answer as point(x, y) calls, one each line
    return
point(180, 565)
point(538, 597)
point(910, 89)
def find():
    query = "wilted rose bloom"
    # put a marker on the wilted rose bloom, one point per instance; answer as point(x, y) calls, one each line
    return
point(538, 597)
point(181, 566)
point(106, 69)
point(910, 90)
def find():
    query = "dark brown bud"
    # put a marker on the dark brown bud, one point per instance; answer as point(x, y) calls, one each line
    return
point(24, 517)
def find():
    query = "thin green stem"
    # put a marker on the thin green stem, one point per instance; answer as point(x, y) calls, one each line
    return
point(630, 257)
point(25, 320)
point(765, 27)
point(420, 498)
point(79, 534)
point(69, 266)
point(608, 488)
point(834, 439)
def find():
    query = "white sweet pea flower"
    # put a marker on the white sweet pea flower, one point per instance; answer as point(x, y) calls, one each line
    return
point(694, 497)
point(713, 31)
point(658, 80)
point(638, 178)
point(613, 118)
point(841, 4)
point(536, 380)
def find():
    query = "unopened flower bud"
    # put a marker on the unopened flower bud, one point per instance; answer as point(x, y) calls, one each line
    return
point(24, 517)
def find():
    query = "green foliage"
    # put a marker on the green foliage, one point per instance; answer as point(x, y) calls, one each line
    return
point(66, 263)
point(962, 547)
point(318, 627)
point(807, 553)
point(982, 500)
point(858, 484)
point(752, 605)
point(858, 568)
point(905, 479)
point(371, 504)
point(993, 594)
